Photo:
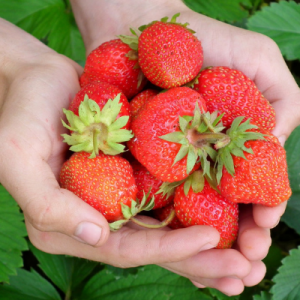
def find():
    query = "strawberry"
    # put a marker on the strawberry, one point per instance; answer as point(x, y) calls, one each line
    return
point(234, 94)
point(208, 207)
point(172, 137)
point(100, 123)
point(169, 53)
point(162, 213)
point(140, 99)
point(104, 182)
point(148, 184)
point(260, 176)
point(116, 63)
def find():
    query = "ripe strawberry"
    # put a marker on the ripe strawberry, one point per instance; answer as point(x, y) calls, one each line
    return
point(162, 213)
point(116, 63)
point(234, 94)
point(104, 182)
point(140, 99)
point(260, 176)
point(170, 55)
point(208, 207)
point(99, 123)
point(172, 137)
point(147, 183)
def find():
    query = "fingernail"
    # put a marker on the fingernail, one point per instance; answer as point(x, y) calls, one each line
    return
point(207, 246)
point(276, 223)
point(88, 233)
point(282, 140)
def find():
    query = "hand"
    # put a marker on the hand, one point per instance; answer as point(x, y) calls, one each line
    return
point(260, 59)
point(36, 83)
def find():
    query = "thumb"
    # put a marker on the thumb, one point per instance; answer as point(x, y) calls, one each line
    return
point(49, 208)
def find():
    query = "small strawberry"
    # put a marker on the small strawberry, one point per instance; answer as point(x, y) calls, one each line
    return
point(256, 175)
point(148, 184)
point(208, 207)
point(162, 213)
point(140, 99)
point(234, 94)
point(116, 63)
point(99, 123)
point(173, 134)
point(169, 53)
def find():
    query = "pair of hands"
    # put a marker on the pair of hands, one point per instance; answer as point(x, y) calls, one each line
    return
point(36, 83)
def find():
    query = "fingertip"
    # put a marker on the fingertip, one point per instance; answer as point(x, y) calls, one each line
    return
point(257, 274)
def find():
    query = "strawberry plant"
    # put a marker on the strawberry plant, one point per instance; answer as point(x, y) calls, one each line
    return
point(28, 273)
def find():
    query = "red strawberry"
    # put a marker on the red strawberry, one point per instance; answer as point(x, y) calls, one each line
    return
point(170, 134)
point(101, 92)
point(147, 183)
point(116, 63)
point(170, 55)
point(260, 176)
point(162, 213)
point(140, 99)
point(99, 123)
point(234, 94)
point(104, 182)
point(208, 207)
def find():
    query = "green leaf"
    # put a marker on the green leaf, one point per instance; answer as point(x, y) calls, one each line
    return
point(287, 284)
point(65, 272)
point(263, 296)
point(292, 212)
point(12, 233)
point(50, 21)
point(150, 282)
point(224, 10)
point(28, 286)
point(281, 22)
point(220, 296)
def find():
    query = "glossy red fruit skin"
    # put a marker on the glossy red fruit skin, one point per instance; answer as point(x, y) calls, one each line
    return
point(156, 118)
point(162, 213)
point(169, 54)
point(101, 92)
point(147, 183)
point(140, 99)
point(109, 63)
point(262, 178)
point(104, 182)
point(234, 94)
point(208, 208)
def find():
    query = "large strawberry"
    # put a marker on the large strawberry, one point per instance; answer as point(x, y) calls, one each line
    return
point(99, 119)
point(116, 63)
point(170, 55)
point(106, 183)
point(149, 185)
point(255, 176)
point(173, 135)
point(208, 207)
point(234, 94)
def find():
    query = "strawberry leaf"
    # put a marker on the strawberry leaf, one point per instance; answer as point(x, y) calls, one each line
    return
point(51, 21)
point(281, 22)
point(287, 285)
point(12, 233)
point(150, 282)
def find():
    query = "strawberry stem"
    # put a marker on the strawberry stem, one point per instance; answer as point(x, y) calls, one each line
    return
point(164, 223)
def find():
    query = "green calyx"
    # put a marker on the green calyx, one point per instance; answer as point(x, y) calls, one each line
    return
point(197, 136)
point(239, 134)
point(97, 130)
point(132, 41)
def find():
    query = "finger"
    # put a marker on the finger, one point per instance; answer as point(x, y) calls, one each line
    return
point(257, 274)
point(268, 217)
point(45, 205)
point(130, 248)
point(228, 286)
point(253, 241)
point(212, 264)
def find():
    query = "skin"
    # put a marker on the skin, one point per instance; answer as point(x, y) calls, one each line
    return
point(36, 83)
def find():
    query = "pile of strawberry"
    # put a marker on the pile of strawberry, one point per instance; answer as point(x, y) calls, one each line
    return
point(199, 140)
